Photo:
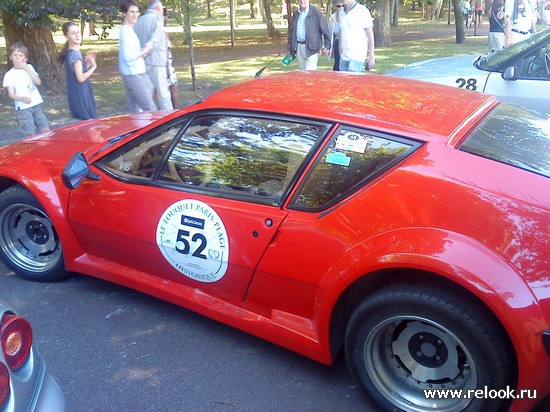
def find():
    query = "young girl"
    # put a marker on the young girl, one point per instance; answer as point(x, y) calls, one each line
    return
point(78, 69)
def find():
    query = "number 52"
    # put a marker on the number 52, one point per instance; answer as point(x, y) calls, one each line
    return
point(196, 238)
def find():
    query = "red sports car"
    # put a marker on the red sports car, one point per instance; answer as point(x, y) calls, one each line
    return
point(402, 222)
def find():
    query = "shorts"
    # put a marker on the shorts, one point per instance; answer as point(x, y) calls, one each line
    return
point(32, 119)
point(497, 40)
point(351, 65)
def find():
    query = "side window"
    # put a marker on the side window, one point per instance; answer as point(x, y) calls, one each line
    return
point(350, 160)
point(241, 155)
point(141, 160)
point(537, 66)
point(513, 136)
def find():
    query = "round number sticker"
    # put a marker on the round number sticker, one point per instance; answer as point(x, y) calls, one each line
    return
point(192, 238)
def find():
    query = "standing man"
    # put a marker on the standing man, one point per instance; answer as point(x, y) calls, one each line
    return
point(465, 10)
point(334, 30)
point(520, 18)
point(150, 29)
point(356, 37)
point(306, 33)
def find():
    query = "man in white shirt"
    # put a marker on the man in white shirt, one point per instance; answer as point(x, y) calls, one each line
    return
point(520, 17)
point(356, 37)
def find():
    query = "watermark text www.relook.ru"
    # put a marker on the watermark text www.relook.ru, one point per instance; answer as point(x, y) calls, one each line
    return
point(485, 393)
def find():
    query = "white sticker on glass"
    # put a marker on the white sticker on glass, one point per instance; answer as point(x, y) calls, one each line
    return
point(192, 238)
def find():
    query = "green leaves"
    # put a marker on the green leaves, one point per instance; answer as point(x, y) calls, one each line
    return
point(44, 12)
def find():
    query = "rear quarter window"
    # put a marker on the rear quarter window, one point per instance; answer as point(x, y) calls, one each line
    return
point(513, 136)
point(351, 159)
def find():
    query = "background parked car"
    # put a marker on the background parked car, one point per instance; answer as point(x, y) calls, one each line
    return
point(518, 74)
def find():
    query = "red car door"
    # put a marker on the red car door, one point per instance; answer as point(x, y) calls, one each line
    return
point(211, 243)
point(196, 201)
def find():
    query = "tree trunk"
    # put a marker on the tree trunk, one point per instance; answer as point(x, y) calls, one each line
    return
point(261, 9)
point(208, 9)
point(188, 38)
point(42, 50)
point(394, 13)
point(436, 14)
point(459, 23)
point(251, 4)
point(91, 28)
point(232, 21)
point(271, 30)
point(288, 12)
point(233, 6)
point(382, 28)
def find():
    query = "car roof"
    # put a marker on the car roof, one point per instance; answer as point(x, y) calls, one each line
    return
point(369, 100)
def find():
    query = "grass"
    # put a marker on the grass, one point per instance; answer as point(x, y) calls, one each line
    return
point(217, 64)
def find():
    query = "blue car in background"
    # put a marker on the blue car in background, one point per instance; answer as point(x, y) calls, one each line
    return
point(518, 74)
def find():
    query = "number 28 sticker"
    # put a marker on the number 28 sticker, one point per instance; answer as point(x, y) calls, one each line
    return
point(469, 84)
point(192, 238)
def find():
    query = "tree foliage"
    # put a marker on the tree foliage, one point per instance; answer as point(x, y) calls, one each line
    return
point(40, 12)
point(30, 21)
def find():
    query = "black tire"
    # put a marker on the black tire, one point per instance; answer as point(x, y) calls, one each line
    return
point(405, 339)
point(29, 244)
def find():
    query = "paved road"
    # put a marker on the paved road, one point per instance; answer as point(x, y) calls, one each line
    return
point(114, 349)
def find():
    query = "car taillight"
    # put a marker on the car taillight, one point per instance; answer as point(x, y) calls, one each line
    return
point(16, 339)
point(4, 383)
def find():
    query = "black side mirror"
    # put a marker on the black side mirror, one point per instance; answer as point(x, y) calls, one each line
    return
point(76, 171)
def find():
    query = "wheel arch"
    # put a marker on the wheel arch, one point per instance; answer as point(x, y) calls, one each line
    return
point(366, 285)
point(54, 202)
point(6, 183)
point(464, 265)
point(363, 287)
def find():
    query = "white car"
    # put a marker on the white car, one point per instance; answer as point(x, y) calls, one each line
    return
point(518, 74)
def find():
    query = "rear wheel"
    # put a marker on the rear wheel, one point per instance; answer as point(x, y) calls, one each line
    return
point(403, 342)
point(29, 244)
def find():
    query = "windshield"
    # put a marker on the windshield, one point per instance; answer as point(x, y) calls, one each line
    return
point(499, 60)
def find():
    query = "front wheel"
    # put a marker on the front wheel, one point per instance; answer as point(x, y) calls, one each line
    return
point(29, 244)
point(422, 348)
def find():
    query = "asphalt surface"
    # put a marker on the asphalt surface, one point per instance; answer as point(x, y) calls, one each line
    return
point(114, 349)
point(10, 135)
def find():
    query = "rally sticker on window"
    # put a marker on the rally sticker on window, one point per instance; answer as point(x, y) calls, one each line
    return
point(338, 159)
point(192, 238)
point(353, 142)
